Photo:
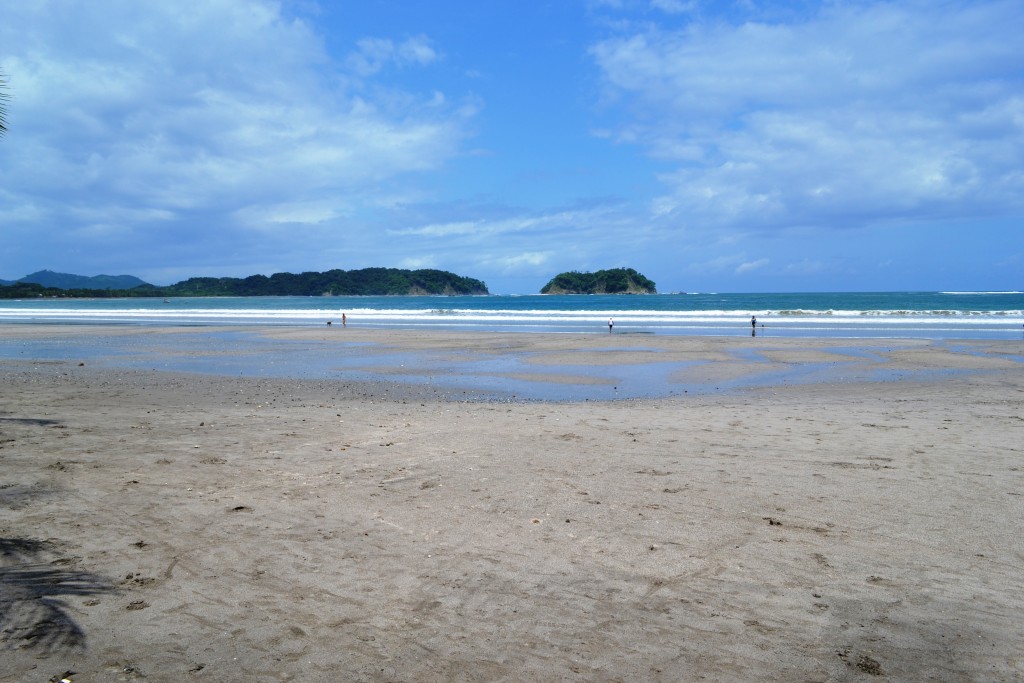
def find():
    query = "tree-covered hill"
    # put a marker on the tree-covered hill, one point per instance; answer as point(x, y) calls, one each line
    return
point(48, 278)
point(613, 281)
point(368, 281)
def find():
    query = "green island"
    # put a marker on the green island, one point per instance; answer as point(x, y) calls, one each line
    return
point(613, 281)
point(364, 282)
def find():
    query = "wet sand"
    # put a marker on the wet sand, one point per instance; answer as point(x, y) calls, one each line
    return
point(166, 526)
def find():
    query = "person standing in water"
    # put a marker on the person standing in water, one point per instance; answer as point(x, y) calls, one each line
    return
point(344, 320)
point(611, 324)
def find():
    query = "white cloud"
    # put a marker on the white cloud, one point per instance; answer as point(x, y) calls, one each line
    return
point(418, 263)
point(269, 216)
point(374, 54)
point(459, 228)
point(860, 113)
point(518, 224)
point(518, 262)
point(751, 266)
point(230, 110)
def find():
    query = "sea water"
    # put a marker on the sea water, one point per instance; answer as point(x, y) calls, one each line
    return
point(901, 315)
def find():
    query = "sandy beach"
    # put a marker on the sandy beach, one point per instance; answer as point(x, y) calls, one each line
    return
point(845, 515)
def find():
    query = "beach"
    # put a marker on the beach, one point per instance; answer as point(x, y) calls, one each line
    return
point(792, 510)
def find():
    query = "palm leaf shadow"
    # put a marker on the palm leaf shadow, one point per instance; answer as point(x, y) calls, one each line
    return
point(33, 614)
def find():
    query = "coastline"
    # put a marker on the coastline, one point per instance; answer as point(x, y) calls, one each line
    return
point(533, 366)
point(849, 315)
point(797, 526)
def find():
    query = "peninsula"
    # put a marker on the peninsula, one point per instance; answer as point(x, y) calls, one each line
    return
point(367, 281)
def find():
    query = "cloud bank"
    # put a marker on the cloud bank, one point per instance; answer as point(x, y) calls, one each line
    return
point(216, 121)
point(750, 145)
point(853, 114)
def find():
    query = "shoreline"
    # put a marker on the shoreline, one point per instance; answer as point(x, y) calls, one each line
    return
point(175, 526)
point(535, 366)
point(850, 315)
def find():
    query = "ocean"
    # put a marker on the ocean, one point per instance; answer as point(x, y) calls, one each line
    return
point(855, 315)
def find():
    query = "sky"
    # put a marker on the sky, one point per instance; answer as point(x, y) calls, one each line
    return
point(730, 146)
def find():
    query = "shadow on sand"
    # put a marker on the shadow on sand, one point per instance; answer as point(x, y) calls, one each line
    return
point(36, 421)
point(33, 614)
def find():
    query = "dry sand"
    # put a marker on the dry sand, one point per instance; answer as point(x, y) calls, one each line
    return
point(171, 527)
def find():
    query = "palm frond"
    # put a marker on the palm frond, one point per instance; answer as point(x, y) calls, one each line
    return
point(4, 96)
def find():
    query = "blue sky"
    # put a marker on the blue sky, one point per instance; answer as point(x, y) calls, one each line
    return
point(713, 146)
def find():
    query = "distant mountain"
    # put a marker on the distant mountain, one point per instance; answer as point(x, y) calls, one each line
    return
point(48, 278)
point(613, 281)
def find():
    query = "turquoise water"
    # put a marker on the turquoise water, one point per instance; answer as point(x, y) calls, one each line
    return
point(929, 315)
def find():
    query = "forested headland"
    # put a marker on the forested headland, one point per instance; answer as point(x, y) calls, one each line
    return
point(367, 281)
